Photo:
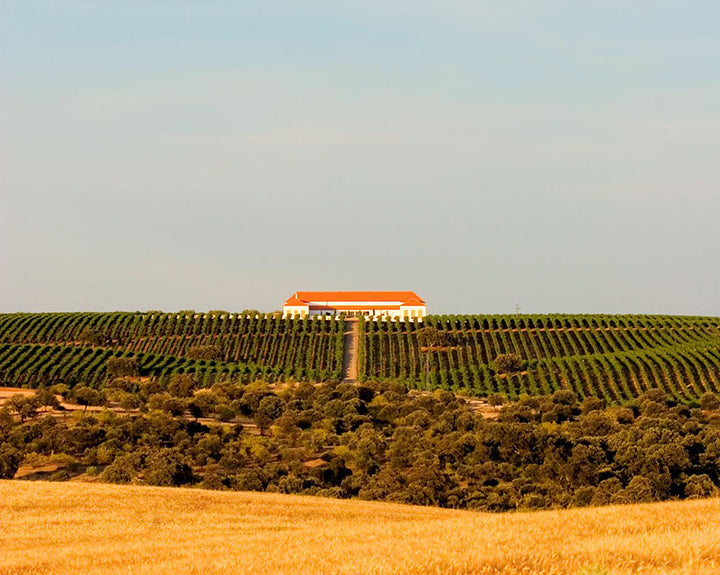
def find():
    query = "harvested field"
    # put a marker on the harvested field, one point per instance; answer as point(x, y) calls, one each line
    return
point(53, 528)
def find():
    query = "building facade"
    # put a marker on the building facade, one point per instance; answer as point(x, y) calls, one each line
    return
point(369, 304)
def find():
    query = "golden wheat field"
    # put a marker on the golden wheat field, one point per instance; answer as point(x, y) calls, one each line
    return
point(101, 529)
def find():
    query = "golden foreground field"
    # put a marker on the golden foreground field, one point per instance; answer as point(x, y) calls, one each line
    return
point(101, 529)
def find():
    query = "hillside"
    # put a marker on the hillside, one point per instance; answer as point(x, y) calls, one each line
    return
point(58, 528)
point(616, 358)
point(49, 348)
point(613, 357)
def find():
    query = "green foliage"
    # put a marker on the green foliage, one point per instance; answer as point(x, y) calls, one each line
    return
point(508, 363)
point(123, 367)
point(10, 460)
point(613, 358)
point(710, 401)
point(209, 352)
point(379, 441)
point(167, 467)
point(42, 349)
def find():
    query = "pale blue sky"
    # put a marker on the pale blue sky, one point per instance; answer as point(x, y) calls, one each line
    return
point(163, 154)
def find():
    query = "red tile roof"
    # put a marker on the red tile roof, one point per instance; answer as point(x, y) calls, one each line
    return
point(294, 301)
point(364, 296)
point(353, 307)
point(415, 301)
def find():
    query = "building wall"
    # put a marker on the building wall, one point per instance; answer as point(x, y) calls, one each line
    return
point(295, 311)
point(413, 312)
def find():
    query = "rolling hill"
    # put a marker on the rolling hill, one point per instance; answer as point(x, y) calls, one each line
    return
point(613, 357)
point(71, 528)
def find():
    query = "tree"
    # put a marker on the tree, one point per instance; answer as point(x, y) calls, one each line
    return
point(508, 363)
point(167, 467)
point(45, 397)
point(92, 336)
point(10, 460)
point(202, 404)
point(123, 367)
point(122, 470)
point(268, 410)
point(699, 486)
point(181, 385)
point(432, 337)
point(709, 401)
point(207, 352)
point(83, 395)
point(25, 407)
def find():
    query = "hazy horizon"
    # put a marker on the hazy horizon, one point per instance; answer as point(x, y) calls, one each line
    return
point(223, 155)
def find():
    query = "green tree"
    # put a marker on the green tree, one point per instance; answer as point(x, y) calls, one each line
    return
point(508, 363)
point(10, 460)
point(24, 407)
point(167, 467)
point(709, 401)
point(123, 367)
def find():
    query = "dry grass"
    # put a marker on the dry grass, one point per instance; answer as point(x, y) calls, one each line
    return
point(100, 529)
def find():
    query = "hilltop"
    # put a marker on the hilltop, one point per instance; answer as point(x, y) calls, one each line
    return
point(613, 357)
point(71, 528)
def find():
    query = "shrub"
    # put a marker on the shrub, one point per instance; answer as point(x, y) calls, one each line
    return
point(709, 401)
point(496, 399)
point(699, 486)
point(584, 496)
point(508, 363)
point(122, 470)
point(10, 460)
point(123, 367)
point(167, 467)
point(207, 352)
point(92, 336)
point(181, 385)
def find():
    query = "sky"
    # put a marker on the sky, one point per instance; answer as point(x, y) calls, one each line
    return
point(560, 156)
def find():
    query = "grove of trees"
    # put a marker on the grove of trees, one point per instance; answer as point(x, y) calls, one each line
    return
point(378, 441)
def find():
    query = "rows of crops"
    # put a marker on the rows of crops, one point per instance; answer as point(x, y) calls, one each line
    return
point(34, 365)
point(56, 347)
point(265, 340)
point(616, 357)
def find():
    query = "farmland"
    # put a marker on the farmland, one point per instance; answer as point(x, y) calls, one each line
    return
point(46, 349)
point(613, 357)
point(63, 528)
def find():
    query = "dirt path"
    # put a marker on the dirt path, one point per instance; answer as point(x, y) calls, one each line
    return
point(350, 353)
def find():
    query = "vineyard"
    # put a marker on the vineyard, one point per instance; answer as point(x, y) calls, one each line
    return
point(613, 357)
point(43, 349)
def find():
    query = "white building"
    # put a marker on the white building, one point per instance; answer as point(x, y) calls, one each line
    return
point(399, 304)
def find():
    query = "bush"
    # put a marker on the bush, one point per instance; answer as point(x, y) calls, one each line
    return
point(207, 352)
point(92, 336)
point(496, 399)
point(122, 470)
point(508, 363)
point(123, 367)
point(10, 460)
point(584, 496)
point(167, 467)
point(699, 486)
point(709, 401)
point(181, 385)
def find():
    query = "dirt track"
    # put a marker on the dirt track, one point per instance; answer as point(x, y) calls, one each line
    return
point(350, 353)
